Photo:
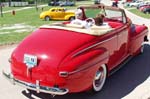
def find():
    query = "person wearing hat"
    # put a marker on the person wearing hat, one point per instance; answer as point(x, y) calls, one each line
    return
point(79, 18)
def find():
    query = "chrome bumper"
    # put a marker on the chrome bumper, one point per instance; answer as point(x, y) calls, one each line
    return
point(36, 87)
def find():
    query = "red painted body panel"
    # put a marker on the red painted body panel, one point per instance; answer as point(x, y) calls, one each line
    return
point(78, 54)
point(51, 47)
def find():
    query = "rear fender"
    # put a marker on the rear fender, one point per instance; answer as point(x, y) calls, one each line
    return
point(82, 68)
point(68, 16)
point(80, 61)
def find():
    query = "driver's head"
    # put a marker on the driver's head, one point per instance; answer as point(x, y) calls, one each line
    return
point(99, 19)
point(78, 14)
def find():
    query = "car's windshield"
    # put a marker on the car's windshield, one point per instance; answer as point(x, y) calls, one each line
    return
point(115, 15)
point(91, 13)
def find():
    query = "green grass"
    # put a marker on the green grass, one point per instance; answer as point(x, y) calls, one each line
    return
point(10, 8)
point(12, 38)
point(28, 17)
point(92, 12)
point(137, 12)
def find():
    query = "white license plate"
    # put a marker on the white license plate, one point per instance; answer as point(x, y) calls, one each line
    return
point(30, 60)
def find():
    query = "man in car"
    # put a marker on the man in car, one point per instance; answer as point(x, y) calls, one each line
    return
point(79, 18)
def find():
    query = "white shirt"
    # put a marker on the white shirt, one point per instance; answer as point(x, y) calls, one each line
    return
point(81, 22)
point(78, 22)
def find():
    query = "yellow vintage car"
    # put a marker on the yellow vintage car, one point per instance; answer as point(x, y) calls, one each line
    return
point(57, 14)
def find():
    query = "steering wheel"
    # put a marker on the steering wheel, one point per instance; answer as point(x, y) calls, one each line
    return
point(90, 21)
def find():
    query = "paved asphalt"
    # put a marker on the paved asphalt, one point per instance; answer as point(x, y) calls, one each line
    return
point(117, 86)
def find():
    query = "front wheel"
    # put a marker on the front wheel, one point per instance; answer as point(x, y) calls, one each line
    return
point(142, 48)
point(47, 18)
point(100, 78)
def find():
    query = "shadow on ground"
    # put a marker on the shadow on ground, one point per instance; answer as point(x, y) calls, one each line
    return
point(118, 85)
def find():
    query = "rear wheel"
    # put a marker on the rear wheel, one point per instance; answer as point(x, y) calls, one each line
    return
point(71, 18)
point(147, 12)
point(100, 78)
point(47, 18)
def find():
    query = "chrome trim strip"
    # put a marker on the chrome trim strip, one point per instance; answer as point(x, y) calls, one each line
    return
point(93, 46)
point(36, 87)
point(79, 70)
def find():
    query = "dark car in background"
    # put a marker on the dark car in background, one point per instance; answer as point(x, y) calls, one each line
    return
point(97, 1)
point(54, 3)
point(146, 10)
point(67, 3)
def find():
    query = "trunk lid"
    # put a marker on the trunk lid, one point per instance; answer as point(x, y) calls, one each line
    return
point(50, 46)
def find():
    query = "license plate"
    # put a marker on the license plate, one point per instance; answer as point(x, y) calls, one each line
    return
point(30, 60)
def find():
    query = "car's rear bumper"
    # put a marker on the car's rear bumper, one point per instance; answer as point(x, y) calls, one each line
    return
point(36, 87)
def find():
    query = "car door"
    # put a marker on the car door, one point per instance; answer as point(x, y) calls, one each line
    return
point(52, 13)
point(122, 36)
point(59, 15)
point(121, 52)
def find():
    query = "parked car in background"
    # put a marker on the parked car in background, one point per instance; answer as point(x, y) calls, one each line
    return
point(68, 58)
point(145, 3)
point(54, 3)
point(127, 4)
point(67, 3)
point(146, 10)
point(97, 1)
point(57, 14)
point(143, 7)
point(135, 4)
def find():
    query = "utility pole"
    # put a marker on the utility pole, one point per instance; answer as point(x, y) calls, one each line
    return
point(9, 3)
point(1, 8)
point(36, 5)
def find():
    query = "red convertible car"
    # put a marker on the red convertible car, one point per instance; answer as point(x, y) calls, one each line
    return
point(66, 58)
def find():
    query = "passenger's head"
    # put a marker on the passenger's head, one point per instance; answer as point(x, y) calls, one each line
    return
point(78, 14)
point(99, 19)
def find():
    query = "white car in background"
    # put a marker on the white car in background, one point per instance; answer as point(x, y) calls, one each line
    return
point(135, 4)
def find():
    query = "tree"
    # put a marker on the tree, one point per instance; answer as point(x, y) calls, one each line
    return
point(1, 9)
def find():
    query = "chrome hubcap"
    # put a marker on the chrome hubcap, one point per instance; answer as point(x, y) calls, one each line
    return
point(100, 78)
point(47, 18)
point(142, 48)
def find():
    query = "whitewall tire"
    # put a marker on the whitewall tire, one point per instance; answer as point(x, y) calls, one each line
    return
point(100, 78)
